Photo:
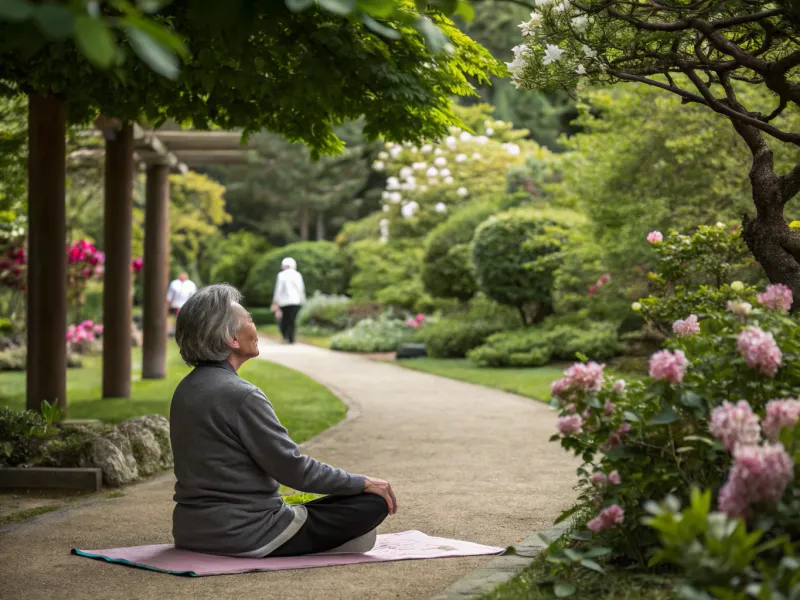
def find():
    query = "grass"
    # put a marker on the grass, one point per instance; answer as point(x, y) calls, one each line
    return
point(616, 585)
point(304, 406)
point(23, 515)
point(272, 332)
point(531, 382)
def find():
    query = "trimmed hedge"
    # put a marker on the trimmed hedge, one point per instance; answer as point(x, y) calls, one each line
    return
point(446, 267)
point(538, 346)
point(236, 256)
point(383, 334)
point(454, 338)
point(322, 265)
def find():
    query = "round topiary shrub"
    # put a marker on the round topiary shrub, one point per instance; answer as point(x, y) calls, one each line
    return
point(236, 256)
point(446, 268)
point(517, 253)
point(321, 263)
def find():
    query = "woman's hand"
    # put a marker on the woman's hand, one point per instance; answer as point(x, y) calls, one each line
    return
point(381, 488)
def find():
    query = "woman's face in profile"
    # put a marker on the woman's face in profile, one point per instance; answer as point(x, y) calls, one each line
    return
point(247, 336)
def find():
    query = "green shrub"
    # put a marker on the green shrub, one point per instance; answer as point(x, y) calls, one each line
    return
point(325, 311)
point(446, 267)
point(383, 334)
point(92, 307)
point(21, 433)
point(367, 228)
point(321, 263)
point(454, 338)
point(377, 266)
point(517, 253)
point(262, 316)
point(538, 346)
point(235, 257)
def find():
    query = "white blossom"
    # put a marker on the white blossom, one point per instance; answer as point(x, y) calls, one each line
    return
point(450, 141)
point(392, 183)
point(516, 66)
point(388, 145)
point(385, 195)
point(423, 188)
point(426, 148)
point(409, 210)
point(476, 156)
point(440, 162)
point(395, 151)
point(561, 6)
point(588, 52)
point(378, 165)
point(463, 192)
point(466, 136)
point(720, 224)
point(419, 166)
point(432, 172)
point(489, 131)
point(395, 197)
point(385, 208)
point(438, 152)
point(406, 172)
point(481, 139)
point(461, 158)
point(580, 70)
point(527, 27)
point(512, 149)
point(440, 207)
point(383, 155)
point(580, 23)
point(454, 130)
point(433, 181)
point(544, 3)
point(414, 149)
point(517, 82)
point(552, 54)
point(448, 180)
point(445, 172)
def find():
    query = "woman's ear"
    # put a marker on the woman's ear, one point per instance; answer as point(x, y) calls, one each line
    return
point(234, 342)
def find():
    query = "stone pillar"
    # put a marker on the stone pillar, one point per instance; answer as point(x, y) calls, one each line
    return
point(117, 297)
point(47, 262)
point(156, 273)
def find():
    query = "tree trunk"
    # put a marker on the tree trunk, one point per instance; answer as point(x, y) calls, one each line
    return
point(320, 226)
point(304, 224)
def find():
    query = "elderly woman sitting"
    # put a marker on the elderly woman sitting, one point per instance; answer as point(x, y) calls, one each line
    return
point(232, 454)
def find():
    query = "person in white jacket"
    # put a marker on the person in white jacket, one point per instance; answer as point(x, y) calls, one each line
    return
point(288, 298)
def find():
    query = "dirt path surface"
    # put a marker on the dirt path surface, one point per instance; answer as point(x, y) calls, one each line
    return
point(466, 462)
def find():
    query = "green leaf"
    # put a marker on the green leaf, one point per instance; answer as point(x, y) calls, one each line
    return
point(299, 5)
point(151, 6)
point(590, 564)
point(465, 11)
point(338, 7)
point(597, 552)
point(95, 41)
point(55, 20)
point(632, 417)
point(159, 59)
point(691, 400)
point(376, 8)
point(573, 555)
point(434, 37)
point(161, 34)
point(16, 10)
point(380, 29)
point(562, 589)
point(666, 416)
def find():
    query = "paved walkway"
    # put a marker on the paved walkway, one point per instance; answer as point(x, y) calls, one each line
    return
point(466, 462)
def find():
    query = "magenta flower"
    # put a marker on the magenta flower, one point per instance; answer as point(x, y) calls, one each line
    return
point(759, 475)
point(740, 309)
point(609, 517)
point(136, 265)
point(420, 318)
point(759, 350)
point(98, 330)
point(570, 425)
point(780, 414)
point(655, 237)
point(686, 327)
point(598, 479)
point(776, 297)
point(614, 478)
point(668, 366)
point(735, 424)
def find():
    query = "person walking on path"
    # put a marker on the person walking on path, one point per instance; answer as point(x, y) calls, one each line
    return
point(288, 298)
point(232, 453)
point(179, 292)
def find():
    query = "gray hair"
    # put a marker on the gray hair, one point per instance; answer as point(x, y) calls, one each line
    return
point(207, 322)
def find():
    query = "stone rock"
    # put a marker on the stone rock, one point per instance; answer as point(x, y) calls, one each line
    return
point(113, 454)
point(146, 449)
point(159, 427)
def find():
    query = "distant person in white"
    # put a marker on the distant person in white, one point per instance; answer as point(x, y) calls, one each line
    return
point(179, 291)
point(289, 296)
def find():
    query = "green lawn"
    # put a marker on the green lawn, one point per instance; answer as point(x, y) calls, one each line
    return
point(304, 406)
point(272, 332)
point(533, 383)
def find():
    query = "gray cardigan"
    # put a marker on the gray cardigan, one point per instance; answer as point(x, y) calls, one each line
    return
point(231, 455)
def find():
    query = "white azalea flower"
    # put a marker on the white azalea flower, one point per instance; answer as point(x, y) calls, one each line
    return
point(516, 66)
point(588, 52)
point(393, 183)
point(481, 139)
point(552, 54)
point(438, 152)
point(440, 207)
point(489, 131)
point(461, 158)
point(419, 166)
point(426, 148)
point(581, 70)
point(395, 151)
point(521, 51)
point(466, 136)
point(440, 162)
point(383, 155)
point(526, 28)
point(445, 172)
point(448, 180)
point(432, 172)
point(378, 165)
point(406, 172)
point(512, 149)
point(395, 197)
point(450, 141)
point(463, 192)
point(580, 23)
point(384, 223)
point(409, 210)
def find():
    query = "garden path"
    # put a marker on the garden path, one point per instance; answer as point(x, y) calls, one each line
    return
point(466, 462)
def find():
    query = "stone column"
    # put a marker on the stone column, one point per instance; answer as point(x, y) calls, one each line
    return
point(156, 273)
point(47, 262)
point(117, 298)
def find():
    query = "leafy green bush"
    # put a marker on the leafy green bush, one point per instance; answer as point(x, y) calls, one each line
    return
point(325, 311)
point(235, 257)
point(446, 267)
point(377, 266)
point(517, 253)
point(262, 315)
point(383, 334)
point(21, 433)
point(538, 346)
point(453, 338)
point(321, 263)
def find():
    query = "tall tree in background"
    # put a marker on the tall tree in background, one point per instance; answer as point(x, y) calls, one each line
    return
point(706, 53)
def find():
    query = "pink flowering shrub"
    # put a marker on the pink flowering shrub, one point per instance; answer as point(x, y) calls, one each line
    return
point(608, 518)
point(81, 338)
point(655, 237)
point(569, 425)
point(776, 297)
point(735, 424)
point(668, 366)
point(780, 414)
point(760, 351)
point(686, 327)
point(759, 475)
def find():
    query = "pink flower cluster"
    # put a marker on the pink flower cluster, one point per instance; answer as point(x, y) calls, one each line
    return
point(615, 439)
point(776, 297)
point(668, 366)
point(12, 268)
point(780, 414)
point(619, 386)
point(686, 327)
point(415, 322)
point(569, 425)
point(655, 237)
point(137, 265)
point(600, 478)
point(760, 474)
point(587, 377)
point(609, 407)
point(609, 517)
point(759, 350)
point(84, 260)
point(600, 283)
point(83, 332)
point(735, 424)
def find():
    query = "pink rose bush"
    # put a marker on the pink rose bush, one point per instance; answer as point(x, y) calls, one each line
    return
point(735, 424)
point(81, 337)
point(668, 366)
point(608, 518)
point(759, 475)
point(686, 327)
point(760, 351)
point(416, 322)
point(570, 425)
point(655, 237)
point(776, 297)
point(780, 414)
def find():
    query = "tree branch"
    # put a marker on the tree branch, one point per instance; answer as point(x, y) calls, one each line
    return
point(790, 184)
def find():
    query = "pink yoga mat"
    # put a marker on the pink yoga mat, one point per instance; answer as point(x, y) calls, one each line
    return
point(407, 545)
